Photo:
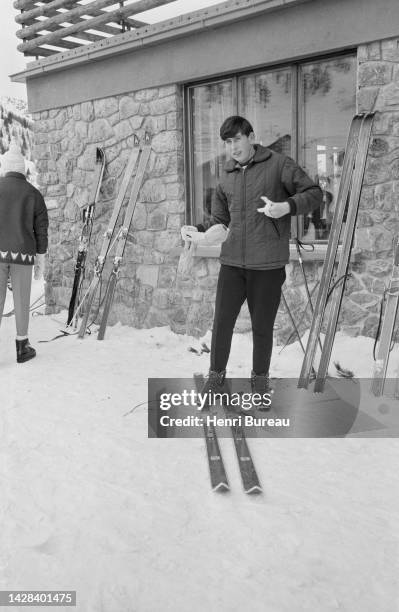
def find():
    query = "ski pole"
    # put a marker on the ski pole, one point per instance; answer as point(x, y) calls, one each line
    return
point(287, 308)
point(300, 245)
point(302, 315)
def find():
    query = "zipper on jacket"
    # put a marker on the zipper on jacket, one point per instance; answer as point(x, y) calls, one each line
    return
point(244, 215)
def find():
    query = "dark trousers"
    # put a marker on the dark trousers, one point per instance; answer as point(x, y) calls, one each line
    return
point(262, 290)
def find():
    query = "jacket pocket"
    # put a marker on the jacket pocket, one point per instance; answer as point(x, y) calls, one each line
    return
point(276, 227)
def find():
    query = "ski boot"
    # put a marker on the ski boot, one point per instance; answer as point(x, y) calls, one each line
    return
point(24, 350)
point(216, 384)
point(260, 383)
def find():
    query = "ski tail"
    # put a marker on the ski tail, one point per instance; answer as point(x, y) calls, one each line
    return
point(88, 302)
point(109, 298)
point(217, 472)
point(249, 476)
point(76, 285)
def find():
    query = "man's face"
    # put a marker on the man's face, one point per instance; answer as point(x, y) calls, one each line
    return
point(240, 147)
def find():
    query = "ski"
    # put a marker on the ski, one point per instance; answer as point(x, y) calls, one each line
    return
point(217, 471)
point(249, 477)
point(347, 242)
point(145, 151)
point(332, 249)
point(85, 236)
point(88, 299)
point(388, 326)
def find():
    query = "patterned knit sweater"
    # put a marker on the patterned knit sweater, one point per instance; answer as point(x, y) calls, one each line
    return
point(23, 220)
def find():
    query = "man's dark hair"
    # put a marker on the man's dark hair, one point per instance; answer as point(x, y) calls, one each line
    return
point(234, 124)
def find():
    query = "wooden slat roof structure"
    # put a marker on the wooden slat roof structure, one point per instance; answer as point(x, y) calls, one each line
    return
point(52, 26)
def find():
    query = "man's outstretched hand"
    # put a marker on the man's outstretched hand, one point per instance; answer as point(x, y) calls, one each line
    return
point(275, 210)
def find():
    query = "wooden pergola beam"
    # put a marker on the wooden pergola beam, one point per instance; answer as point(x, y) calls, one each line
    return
point(43, 51)
point(68, 44)
point(90, 24)
point(52, 8)
point(80, 35)
point(107, 29)
point(21, 5)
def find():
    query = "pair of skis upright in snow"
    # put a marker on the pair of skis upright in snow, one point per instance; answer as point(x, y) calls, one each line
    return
point(217, 471)
point(347, 202)
point(140, 156)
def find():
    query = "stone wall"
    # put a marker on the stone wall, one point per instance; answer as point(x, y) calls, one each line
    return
point(65, 144)
point(150, 292)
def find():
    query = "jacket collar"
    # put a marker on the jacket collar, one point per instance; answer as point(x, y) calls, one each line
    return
point(16, 175)
point(261, 154)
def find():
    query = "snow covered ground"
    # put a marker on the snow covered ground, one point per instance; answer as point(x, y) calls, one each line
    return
point(90, 504)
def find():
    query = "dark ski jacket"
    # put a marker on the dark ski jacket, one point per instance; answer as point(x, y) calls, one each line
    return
point(23, 220)
point(256, 241)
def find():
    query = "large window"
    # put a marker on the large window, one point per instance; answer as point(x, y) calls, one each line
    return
point(302, 110)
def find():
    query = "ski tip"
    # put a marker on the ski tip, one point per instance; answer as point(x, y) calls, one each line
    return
point(221, 487)
point(255, 490)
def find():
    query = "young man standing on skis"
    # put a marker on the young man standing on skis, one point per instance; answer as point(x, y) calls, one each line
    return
point(258, 193)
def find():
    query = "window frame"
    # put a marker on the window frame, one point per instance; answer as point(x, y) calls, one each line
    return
point(297, 104)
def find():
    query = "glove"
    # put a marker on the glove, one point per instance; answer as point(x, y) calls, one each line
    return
point(39, 266)
point(189, 233)
point(216, 234)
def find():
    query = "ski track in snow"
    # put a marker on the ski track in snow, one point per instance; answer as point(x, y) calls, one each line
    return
point(89, 503)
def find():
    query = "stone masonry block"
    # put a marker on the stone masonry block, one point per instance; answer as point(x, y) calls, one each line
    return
point(99, 130)
point(390, 96)
point(146, 95)
point(87, 111)
point(390, 50)
point(128, 107)
point(366, 98)
point(105, 107)
point(384, 196)
point(167, 141)
point(147, 275)
point(374, 73)
point(153, 190)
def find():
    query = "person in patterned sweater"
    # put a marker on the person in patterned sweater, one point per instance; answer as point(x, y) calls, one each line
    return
point(23, 242)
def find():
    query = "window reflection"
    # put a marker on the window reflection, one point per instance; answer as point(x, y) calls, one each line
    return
point(328, 94)
point(210, 105)
point(266, 100)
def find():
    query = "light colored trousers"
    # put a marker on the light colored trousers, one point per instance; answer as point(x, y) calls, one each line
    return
point(21, 281)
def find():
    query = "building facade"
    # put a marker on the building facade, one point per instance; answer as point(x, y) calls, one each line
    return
point(298, 70)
